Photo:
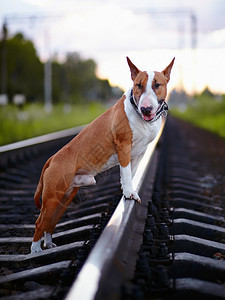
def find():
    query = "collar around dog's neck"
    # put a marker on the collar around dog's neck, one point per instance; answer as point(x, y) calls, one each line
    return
point(161, 111)
point(132, 101)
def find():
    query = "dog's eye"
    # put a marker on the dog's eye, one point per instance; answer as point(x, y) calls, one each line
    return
point(157, 85)
point(139, 85)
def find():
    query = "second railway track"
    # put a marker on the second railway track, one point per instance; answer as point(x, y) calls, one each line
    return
point(172, 246)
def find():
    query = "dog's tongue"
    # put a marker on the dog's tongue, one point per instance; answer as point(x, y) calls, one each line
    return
point(148, 117)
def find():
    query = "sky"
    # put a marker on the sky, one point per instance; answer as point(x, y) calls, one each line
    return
point(151, 33)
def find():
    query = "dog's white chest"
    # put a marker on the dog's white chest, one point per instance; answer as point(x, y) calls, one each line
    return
point(143, 132)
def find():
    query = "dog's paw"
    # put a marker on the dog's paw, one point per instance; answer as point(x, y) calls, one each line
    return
point(48, 241)
point(36, 247)
point(50, 245)
point(132, 195)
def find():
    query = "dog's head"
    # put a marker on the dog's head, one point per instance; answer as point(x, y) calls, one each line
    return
point(149, 89)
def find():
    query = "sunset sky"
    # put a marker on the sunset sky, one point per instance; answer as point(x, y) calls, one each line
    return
point(151, 33)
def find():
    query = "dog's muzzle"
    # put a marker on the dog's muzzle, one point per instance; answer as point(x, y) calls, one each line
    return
point(161, 111)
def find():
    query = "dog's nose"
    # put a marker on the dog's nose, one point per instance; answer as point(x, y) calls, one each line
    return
point(146, 110)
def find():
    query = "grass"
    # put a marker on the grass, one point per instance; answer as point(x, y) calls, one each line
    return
point(16, 124)
point(206, 112)
point(19, 124)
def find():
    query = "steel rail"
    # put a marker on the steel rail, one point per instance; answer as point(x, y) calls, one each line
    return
point(12, 152)
point(41, 139)
point(105, 253)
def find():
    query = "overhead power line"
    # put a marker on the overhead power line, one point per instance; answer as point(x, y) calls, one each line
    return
point(176, 13)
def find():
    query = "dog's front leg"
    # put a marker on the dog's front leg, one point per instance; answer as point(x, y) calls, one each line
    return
point(135, 162)
point(126, 182)
point(123, 142)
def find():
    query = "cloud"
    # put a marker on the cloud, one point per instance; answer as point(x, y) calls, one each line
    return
point(105, 28)
point(214, 39)
point(108, 30)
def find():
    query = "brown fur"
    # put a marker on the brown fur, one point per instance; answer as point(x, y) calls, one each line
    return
point(88, 152)
point(140, 83)
point(39, 189)
point(161, 91)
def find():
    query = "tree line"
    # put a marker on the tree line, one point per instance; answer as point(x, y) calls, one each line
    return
point(73, 80)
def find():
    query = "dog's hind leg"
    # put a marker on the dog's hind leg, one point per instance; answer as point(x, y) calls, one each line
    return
point(48, 241)
point(40, 226)
point(36, 243)
point(50, 214)
point(58, 212)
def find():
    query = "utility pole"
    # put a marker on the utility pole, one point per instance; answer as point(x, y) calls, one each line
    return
point(193, 30)
point(48, 85)
point(48, 74)
point(4, 60)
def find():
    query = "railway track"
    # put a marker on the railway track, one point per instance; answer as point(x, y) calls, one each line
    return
point(172, 246)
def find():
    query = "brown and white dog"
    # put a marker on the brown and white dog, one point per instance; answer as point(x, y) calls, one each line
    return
point(118, 136)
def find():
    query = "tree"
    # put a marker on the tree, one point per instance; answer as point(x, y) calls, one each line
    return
point(74, 80)
point(24, 69)
point(207, 92)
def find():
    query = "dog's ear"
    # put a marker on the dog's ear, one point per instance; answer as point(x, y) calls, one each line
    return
point(133, 69)
point(167, 70)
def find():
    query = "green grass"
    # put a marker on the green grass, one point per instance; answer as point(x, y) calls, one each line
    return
point(206, 112)
point(16, 124)
point(32, 120)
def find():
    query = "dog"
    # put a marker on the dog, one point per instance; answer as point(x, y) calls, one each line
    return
point(119, 136)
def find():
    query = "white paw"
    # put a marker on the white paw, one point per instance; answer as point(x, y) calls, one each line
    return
point(131, 195)
point(48, 241)
point(36, 247)
point(50, 245)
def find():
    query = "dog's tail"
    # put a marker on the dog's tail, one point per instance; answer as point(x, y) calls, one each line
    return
point(39, 189)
